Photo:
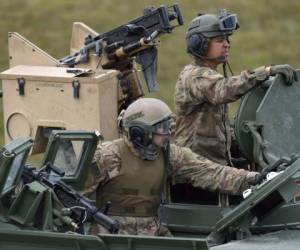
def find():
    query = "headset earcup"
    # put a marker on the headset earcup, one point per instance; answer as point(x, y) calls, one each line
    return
point(137, 134)
point(193, 43)
point(198, 44)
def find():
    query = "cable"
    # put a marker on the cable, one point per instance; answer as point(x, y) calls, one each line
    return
point(231, 72)
point(225, 66)
point(224, 70)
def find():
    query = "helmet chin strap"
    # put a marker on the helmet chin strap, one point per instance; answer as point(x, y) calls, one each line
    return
point(222, 59)
point(226, 66)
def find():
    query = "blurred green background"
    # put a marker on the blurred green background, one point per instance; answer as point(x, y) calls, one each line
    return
point(269, 30)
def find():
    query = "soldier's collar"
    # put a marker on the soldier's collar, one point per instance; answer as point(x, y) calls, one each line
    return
point(200, 62)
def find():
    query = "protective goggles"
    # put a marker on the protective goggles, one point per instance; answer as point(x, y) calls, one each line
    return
point(163, 127)
point(229, 22)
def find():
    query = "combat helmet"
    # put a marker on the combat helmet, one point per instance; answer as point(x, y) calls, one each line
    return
point(206, 26)
point(142, 119)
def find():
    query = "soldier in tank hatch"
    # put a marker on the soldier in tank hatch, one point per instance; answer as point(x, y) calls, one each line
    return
point(202, 94)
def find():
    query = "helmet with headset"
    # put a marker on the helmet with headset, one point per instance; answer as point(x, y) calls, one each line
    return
point(142, 119)
point(207, 26)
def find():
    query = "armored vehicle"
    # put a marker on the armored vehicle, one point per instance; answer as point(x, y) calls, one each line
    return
point(41, 207)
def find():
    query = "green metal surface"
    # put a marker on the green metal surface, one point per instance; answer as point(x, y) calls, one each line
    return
point(286, 215)
point(83, 160)
point(39, 240)
point(285, 239)
point(5, 163)
point(197, 220)
point(12, 158)
point(25, 207)
point(247, 112)
point(190, 218)
point(26, 239)
point(279, 112)
point(275, 113)
point(158, 243)
point(5, 225)
point(263, 199)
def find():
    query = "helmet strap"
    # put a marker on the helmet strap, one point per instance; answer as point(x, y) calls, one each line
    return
point(224, 70)
point(217, 58)
point(226, 66)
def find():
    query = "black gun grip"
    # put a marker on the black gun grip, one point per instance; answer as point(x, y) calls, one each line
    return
point(178, 13)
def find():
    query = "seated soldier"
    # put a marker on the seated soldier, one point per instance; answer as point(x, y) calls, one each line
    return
point(130, 172)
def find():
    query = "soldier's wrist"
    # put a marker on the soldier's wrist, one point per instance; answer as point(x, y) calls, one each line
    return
point(252, 177)
point(268, 70)
point(260, 74)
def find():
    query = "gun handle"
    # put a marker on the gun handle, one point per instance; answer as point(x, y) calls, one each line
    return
point(178, 13)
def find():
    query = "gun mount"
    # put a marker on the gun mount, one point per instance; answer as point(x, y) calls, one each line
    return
point(136, 38)
point(88, 88)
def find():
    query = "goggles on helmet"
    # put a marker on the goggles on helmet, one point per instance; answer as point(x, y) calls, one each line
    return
point(229, 22)
point(163, 127)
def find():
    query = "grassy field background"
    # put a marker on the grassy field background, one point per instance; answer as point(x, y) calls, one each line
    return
point(269, 30)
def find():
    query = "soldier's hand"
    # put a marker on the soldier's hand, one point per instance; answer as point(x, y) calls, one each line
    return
point(286, 71)
point(258, 178)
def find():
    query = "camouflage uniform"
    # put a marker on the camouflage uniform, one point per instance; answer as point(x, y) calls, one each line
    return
point(201, 98)
point(184, 166)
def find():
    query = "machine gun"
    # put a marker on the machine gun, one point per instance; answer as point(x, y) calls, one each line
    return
point(136, 38)
point(79, 206)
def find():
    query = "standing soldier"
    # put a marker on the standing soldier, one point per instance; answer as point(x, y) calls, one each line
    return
point(131, 172)
point(202, 94)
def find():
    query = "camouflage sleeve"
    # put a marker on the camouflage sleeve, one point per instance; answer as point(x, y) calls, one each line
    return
point(188, 167)
point(210, 86)
point(105, 166)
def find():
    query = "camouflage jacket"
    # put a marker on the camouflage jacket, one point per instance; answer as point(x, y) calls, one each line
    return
point(184, 165)
point(201, 98)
